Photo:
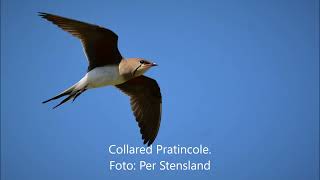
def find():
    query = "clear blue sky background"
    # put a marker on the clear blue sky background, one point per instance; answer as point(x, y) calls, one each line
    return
point(241, 77)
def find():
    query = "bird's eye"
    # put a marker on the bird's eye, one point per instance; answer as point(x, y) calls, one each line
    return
point(142, 61)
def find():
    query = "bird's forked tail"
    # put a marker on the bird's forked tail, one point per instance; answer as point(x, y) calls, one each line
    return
point(71, 92)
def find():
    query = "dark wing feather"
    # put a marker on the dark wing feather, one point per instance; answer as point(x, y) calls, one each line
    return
point(146, 102)
point(100, 44)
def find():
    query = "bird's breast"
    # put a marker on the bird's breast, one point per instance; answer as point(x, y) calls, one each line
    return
point(104, 76)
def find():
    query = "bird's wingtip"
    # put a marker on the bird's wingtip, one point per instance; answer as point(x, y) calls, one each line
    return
point(147, 142)
point(150, 142)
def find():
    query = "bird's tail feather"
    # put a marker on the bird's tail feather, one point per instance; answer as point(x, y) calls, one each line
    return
point(64, 93)
point(72, 92)
point(64, 100)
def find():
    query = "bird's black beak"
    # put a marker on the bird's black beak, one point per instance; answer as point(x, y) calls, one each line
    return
point(154, 64)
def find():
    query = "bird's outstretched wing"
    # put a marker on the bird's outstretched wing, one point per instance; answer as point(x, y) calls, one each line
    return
point(100, 44)
point(146, 102)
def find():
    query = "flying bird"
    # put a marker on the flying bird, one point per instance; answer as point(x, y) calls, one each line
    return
point(107, 67)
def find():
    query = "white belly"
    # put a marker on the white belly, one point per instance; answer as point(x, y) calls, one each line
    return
point(103, 76)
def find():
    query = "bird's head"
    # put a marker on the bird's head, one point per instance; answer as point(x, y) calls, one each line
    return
point(139, 66)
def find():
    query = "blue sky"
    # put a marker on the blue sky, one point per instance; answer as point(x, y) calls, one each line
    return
point(241, 77)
